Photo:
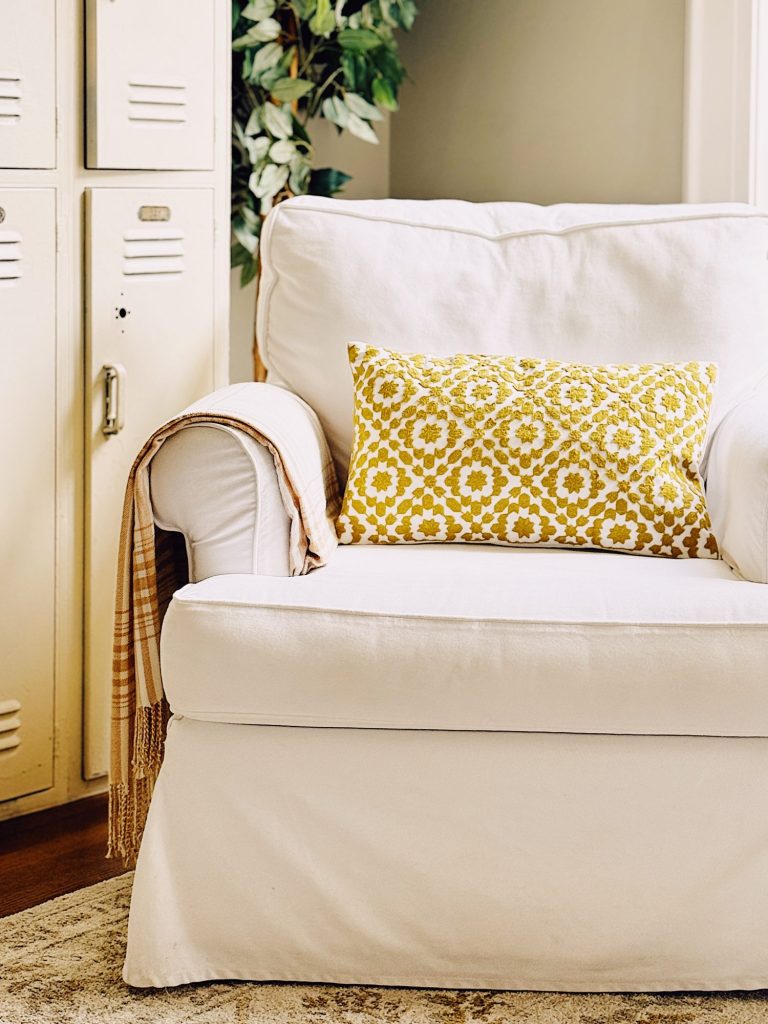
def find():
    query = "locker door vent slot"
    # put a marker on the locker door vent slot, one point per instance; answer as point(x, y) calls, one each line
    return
point(10, 98)
point(10, 724)
point(153, 100)
point(153, 250)
point(10, 259)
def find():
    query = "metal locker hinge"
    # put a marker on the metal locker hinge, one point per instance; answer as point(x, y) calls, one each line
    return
point(114, 391)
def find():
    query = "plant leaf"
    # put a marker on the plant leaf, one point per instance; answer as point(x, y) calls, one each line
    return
point(239, 133)
point(323, 21)
point(258, 10)
point(249, 271)
point(277, 121)
point(257, 148)
point(299, 176)
point(300, 132)
point(282, 151)
point(334, 109)
point(268, 181)
point(291, 88)
point(349, 64)
point(245, 70)
point(268, 78)
point(350, 69)
point(361, 129)
point(408, 11)
point(238, 255)
point(386, 13)
point(250, 219)
point(253, 124)
point(261, 32)
point(264, 58)
point(359, 39)
point(327, 181)
point(384, 94)
point(247, 238)
point(264, 31)
point(362, 107)
point(388, 63)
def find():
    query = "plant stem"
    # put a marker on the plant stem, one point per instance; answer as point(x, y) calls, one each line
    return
point(316, 102)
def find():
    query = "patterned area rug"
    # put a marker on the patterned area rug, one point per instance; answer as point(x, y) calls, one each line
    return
point(60, 964)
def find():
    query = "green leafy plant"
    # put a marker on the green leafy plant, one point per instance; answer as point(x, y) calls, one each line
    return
point(295, 60)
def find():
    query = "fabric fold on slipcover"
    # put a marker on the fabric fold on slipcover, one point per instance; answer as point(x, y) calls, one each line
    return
point(152, 565)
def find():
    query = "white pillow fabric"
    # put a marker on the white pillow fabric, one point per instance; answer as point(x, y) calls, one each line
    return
point(737, 489)
point(591, 284)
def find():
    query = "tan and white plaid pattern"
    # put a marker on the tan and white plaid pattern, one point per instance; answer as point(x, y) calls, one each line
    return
point(152, 565)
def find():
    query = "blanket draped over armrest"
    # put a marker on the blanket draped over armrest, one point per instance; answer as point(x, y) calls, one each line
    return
point(152, 565)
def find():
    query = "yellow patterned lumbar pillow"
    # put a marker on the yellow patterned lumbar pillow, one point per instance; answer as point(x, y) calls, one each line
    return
point(504, 450)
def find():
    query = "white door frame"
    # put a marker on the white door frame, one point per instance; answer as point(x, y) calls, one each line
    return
point(725, 134)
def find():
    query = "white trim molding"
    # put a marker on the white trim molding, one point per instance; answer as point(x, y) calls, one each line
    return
point(726, 102)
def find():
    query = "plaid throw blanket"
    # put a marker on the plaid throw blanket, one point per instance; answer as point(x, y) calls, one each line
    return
point(152, 565)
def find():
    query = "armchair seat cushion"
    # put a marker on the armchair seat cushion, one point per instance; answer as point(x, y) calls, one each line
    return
point(476, 638)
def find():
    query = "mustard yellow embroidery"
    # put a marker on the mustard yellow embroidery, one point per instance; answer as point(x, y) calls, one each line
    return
point(499, 449)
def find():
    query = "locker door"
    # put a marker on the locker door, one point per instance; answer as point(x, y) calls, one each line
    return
point(28, 83)
point(27, 505)
point(150, 325)
point(150, 66)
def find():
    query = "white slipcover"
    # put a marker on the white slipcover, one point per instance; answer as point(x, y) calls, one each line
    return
point(458, 859)
point(737, 490)
point(473, 637)
point(596, 284)
point(470, 766)
point(247, 533)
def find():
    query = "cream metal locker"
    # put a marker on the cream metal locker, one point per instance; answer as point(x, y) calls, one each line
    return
point(28, 83)
point(150, 84)
point(27, 508)
point(151, 342)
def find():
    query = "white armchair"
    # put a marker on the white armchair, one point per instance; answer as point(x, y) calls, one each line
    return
point(247, 533)
point(459, 765)
point(737, 486)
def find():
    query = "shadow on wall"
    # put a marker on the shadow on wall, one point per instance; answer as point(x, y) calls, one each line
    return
point(542, 101)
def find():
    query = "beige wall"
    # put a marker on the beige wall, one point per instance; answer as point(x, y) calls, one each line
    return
point(542, 101)
point(369, 167)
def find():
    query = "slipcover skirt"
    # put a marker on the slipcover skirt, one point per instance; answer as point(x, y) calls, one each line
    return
point(502, 860)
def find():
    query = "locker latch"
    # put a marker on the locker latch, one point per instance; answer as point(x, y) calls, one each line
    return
point(114, 388)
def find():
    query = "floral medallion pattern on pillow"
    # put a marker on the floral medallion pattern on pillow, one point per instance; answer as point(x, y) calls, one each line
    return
point(506, 450)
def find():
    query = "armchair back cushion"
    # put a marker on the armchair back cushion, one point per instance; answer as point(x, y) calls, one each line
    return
point(589, 284)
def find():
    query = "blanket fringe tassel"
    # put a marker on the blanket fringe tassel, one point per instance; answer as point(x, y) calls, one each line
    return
point(129, 801)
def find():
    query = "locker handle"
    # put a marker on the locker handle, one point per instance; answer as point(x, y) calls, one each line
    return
point(114, 388)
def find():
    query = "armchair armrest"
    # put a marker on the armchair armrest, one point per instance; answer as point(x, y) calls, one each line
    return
point(218, 485)
point(737, 487)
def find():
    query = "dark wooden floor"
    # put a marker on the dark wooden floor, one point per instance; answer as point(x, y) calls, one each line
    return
point(52, 852)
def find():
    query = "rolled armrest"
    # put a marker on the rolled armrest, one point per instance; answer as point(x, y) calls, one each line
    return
point(737, 487)
point(215, 483)
point(218, 487)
